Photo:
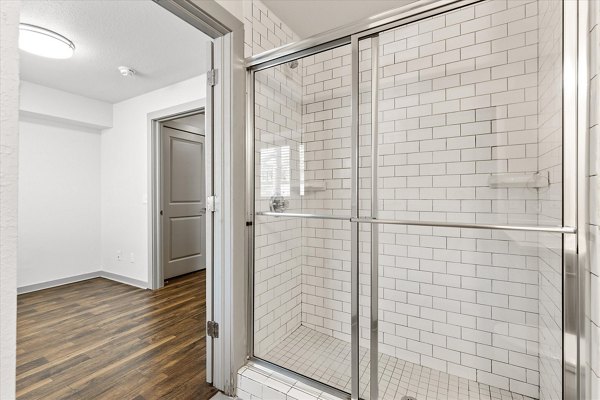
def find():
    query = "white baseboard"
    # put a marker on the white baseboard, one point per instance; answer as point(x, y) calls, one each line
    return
point(83, 277)
point(123, 279)
point(57, 282)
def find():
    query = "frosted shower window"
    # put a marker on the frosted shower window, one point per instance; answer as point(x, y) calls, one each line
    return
point(275, 171)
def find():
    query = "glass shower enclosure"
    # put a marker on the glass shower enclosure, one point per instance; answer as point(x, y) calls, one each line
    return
point(411, 204)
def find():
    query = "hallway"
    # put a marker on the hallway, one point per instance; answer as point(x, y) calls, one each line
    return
point(99, 339)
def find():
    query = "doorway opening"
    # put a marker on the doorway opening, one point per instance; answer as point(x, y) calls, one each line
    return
point(182, 185)
point(84, 186)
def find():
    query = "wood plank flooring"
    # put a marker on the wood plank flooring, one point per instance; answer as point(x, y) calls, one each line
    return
point(100, 339)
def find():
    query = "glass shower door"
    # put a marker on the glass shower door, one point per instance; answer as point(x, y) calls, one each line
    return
point(412, 236)
point(302, 258)
point(460, 119)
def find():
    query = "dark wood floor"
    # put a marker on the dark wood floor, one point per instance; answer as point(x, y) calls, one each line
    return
point(100, 339)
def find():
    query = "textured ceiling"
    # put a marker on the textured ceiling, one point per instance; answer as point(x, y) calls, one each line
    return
point(137, 33)
point(310, 17)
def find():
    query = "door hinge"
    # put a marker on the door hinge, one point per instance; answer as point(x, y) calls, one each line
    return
point(210, 204)
point(212, 329)
point(211, 76)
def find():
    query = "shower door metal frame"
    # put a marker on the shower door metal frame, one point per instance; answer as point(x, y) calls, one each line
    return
point(575, 54)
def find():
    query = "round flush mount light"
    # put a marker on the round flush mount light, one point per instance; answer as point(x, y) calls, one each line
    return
point(126, 71)
point(44, 42)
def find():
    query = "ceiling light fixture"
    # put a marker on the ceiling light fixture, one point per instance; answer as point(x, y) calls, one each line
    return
point(43, 42)
point(126, 71)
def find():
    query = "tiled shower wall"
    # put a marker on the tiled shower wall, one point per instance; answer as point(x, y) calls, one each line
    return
point(462, 96)
point(458, 101)
point(263, 30)
point(326, 122)
point(278, 95)
point(278, 251)
point(550, 199)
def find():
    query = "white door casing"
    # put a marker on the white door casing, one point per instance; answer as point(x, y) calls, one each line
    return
point(227, 277)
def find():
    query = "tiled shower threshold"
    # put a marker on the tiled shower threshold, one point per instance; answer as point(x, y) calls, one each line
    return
point(327, 359)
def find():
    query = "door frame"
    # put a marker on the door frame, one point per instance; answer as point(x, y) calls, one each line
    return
point(226, 274)
point(155, 120)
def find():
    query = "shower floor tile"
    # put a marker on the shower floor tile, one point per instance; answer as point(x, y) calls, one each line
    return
point(327, 359)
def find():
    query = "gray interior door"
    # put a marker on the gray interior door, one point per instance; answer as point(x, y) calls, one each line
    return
point(184, 202)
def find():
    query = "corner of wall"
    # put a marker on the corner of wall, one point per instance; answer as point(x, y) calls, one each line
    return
point(263, 29)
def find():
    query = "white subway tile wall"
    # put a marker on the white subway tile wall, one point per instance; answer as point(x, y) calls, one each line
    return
point(461, 96)
point(326, 121)
point(278, 118)
point(278, 241)
point(457, 101)
point(263, 30)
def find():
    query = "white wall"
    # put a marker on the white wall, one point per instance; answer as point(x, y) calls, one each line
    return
point(235, 7)
point(59, 201)
point(79, 173)
point(9, 103)
point(59, 184)
point(42, 101)
point(124, 176)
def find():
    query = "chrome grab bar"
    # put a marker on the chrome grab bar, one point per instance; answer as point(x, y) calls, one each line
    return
point(364, 220)
point(300, 215)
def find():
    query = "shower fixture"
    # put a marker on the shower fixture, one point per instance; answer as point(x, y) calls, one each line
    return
point(278, 204)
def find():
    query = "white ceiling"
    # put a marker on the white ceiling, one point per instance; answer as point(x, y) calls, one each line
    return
point(162, 48)
point(310, 17)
